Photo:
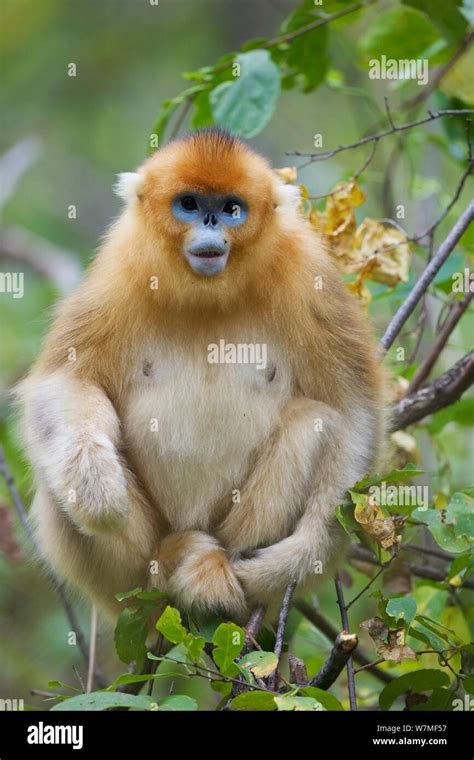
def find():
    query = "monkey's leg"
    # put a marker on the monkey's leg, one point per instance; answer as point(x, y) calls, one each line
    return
point(342, 455)
point(196, 572)
point(73, 433)
point(98, 566)
point(274, 497)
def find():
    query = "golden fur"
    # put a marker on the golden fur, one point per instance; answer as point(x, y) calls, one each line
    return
point(139, 445)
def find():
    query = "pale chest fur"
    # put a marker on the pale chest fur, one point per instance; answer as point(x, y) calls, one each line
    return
point(195, 417)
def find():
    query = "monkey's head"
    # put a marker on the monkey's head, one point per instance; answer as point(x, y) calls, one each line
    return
point(208, 200)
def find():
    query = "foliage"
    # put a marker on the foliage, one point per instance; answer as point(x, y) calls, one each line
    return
point(420, 628)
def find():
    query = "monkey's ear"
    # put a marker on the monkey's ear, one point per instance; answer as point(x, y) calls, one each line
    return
point(287, 197)
point(129, 186)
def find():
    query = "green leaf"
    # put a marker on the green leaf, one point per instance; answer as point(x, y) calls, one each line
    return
point(414, 682)
point(194, 646)
point(460, 569)
point(221, 687)
point(467, 660)
point(439, 699)
point(403, 607)
point(202, 114)
point(128, 594)
point(261, 664)
point(462, 413)
point(298, 704)
point(170, 625)
point(307, 54)
point(254, 701)
point(468, 684)
point(61, 685)
point(424, 634)
point(131, 633)
point(228, 641)
point(345, 515)
point(205, 626)
point(137, 678)
point(398, 33)
point(168, 108)
point(178, 703)
point(103, 700)
point(445, 15)
point(447, 634)
point(245, 105)
point(409, 471)
point(453, 526)
point(328, 700)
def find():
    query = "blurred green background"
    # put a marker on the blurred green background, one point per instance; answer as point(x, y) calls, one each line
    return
point(78, 132)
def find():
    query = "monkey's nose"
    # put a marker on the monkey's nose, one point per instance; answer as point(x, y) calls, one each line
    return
point(210, 219)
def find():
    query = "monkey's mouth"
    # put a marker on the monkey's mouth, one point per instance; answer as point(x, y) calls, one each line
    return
point(210, 253)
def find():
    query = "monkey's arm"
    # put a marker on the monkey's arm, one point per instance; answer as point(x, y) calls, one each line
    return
point(340, 454)
point(72, 434)
point(274, 497)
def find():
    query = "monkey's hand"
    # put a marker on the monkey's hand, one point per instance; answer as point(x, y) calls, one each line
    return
point(72, 432)
point(90, 484)
point(196, 572)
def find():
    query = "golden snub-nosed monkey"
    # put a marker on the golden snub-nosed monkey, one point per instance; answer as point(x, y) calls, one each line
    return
point(206, 396)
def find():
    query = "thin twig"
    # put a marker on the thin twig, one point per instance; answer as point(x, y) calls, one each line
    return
point(252, 628)
point(432, 116)
point(57, 583)
point(368, 585)
point(92, 649)
point(345, 625)
point(455, 313)
point(355, 176)
point(427, 277)
point(283, 617)
point(79, 678)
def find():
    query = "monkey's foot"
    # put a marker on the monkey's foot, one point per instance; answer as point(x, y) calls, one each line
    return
point(196, 572)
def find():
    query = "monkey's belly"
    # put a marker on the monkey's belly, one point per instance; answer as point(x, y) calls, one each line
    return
point(192, 432)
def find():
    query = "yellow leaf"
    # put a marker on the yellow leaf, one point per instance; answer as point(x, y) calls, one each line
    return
point(386, 248)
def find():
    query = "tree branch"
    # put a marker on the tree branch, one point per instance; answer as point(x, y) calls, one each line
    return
point(442, 392)
point(331, 632)
point(44, 258)
point(338, 659)
point(455, 313)
point(283, 617)
point(421, 571)
point(345, 625)
point(427, 277)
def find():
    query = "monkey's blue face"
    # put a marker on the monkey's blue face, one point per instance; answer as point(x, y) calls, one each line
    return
point(208, 217)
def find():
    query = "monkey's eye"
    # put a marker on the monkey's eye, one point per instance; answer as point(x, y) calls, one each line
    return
point(230, 207)
point(188, 203)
